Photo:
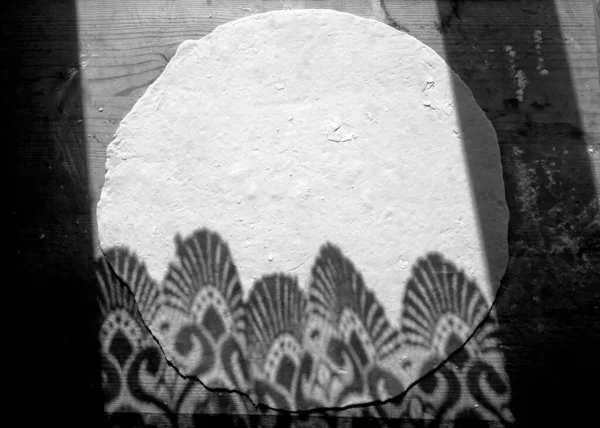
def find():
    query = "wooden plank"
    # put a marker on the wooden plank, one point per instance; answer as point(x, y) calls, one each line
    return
point(597, 10)
point(52, 250)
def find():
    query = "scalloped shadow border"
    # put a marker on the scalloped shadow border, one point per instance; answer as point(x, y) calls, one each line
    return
point(329, 346)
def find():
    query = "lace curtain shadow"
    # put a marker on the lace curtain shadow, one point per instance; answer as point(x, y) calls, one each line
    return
point(328, 345)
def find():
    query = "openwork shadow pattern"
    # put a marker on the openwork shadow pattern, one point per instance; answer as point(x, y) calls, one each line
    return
point(328, 345)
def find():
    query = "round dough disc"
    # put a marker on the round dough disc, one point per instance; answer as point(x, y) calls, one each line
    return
point(287, 130)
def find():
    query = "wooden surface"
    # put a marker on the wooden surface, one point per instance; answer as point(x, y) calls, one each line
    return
point(83, 65)
point(56, 318)
point(597, 9)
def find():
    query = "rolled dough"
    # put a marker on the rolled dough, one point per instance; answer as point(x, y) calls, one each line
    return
point(287, 130)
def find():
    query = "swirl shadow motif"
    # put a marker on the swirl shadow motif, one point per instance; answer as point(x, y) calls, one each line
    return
point(328, 346)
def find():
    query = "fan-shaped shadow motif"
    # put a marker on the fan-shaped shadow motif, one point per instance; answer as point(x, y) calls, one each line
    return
point(330, 345)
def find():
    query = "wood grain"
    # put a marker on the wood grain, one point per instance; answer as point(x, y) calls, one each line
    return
point(597, 10)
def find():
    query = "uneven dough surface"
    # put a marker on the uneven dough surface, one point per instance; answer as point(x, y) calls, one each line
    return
point(287, 130)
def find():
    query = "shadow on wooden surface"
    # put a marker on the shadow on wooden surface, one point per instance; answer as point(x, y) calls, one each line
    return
point(53, 247)
point(513, 56)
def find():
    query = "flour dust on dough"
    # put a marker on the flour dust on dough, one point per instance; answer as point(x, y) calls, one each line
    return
point(287, 130)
